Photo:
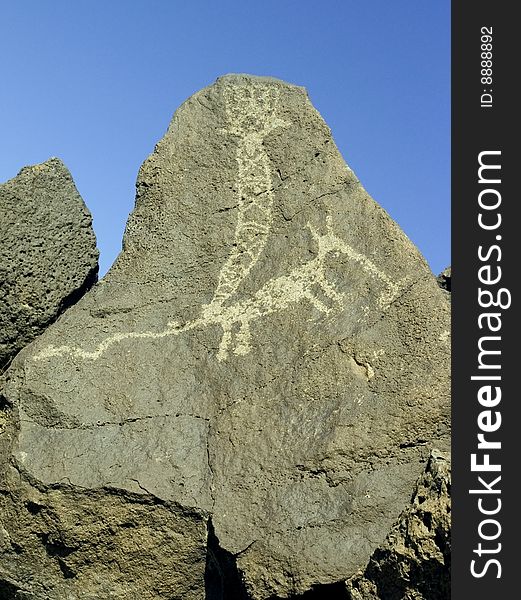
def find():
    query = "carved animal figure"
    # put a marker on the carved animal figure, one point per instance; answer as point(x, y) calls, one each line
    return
point(307, 282)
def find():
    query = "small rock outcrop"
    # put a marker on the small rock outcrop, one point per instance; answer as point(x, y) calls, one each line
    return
point(242, 406)
point(445, 279)
point(48, 255)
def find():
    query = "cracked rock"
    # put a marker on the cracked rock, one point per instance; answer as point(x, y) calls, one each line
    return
point(414, 560)
point(48, 255)
point(269, 351)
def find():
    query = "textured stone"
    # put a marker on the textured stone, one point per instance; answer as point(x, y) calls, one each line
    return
point(269, 353)
point(48, 255)
point(115, 545)
point(414, 561)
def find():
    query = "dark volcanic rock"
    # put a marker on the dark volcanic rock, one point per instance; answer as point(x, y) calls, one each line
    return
point(444, 279)
point(414, 561)
point(48, 255)
point(268, 359)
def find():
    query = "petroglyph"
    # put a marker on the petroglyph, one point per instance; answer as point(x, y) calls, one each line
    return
point(306, 282)
point(303, 283)
point(252, 114)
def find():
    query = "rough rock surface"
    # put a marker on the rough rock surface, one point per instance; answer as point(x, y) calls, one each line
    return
point(267, 360)
point(414, 561)
point(48, 255)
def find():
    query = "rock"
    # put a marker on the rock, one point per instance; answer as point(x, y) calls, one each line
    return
point(444, 279)
point(74, 544)
point(267, 359)
point(48, 255)
point(414, 561)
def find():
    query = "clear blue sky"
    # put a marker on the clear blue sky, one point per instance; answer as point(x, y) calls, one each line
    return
point(96, 83)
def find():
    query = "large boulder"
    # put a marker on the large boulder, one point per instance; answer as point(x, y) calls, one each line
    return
point(48, 255)
point(266, 364)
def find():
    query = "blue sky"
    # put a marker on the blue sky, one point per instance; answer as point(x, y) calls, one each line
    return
point(96, 83)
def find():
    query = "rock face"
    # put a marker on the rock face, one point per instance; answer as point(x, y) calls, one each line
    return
point(48, 255)
point(258, 379)
point(414, 561)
